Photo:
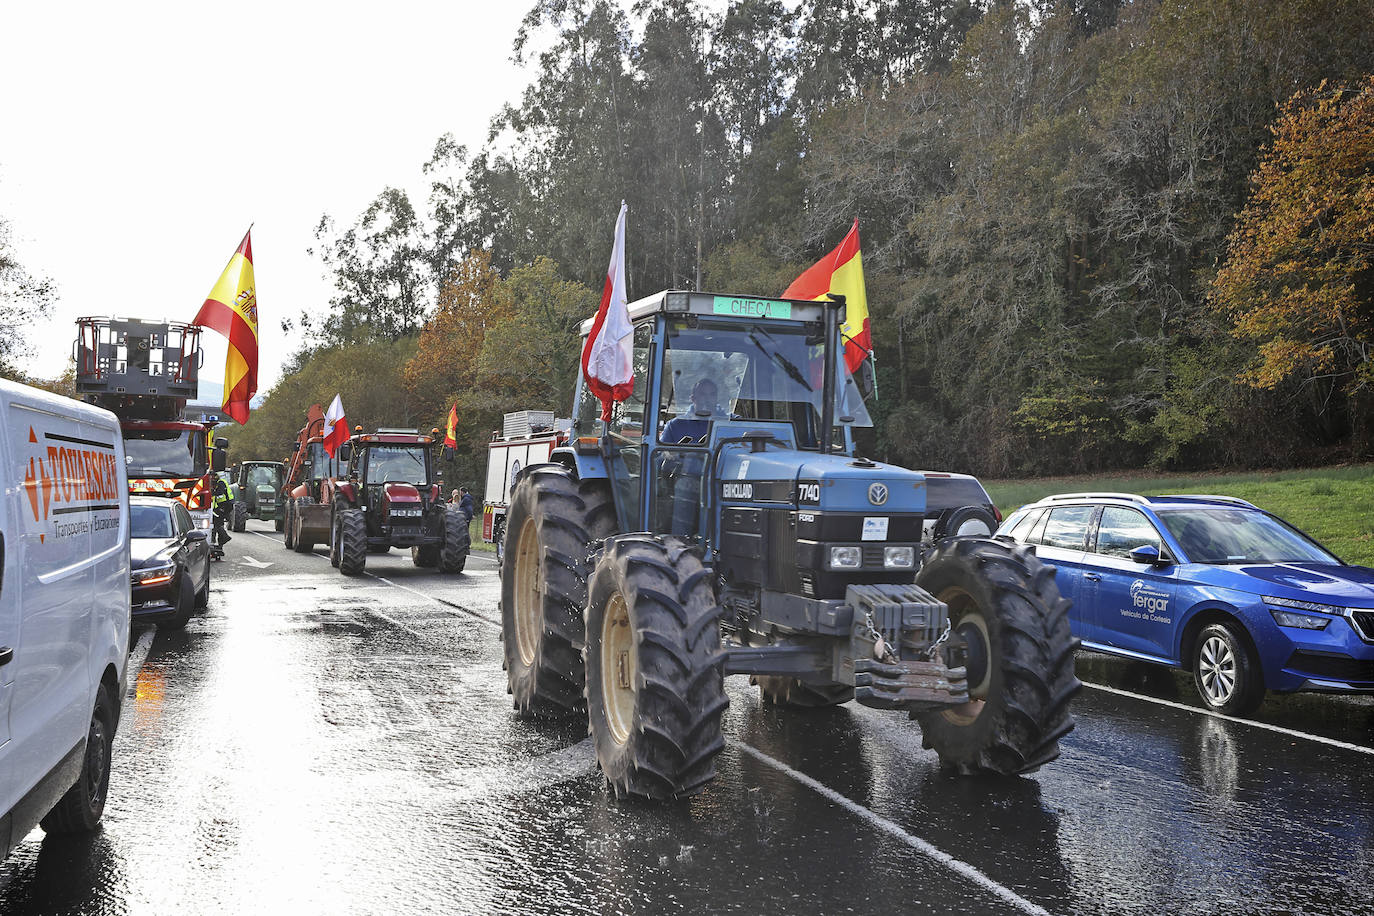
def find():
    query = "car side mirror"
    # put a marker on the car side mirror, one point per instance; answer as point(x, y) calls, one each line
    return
point(1148, 553)
point(196, 534)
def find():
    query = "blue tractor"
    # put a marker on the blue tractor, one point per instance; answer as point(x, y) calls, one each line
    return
point(721, 523)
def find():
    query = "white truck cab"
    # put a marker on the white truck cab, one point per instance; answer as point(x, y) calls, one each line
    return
point(64, 609)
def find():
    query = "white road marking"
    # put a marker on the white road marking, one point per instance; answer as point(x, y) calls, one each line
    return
point(877, 820)
point(1344, 745)
point(255, 564)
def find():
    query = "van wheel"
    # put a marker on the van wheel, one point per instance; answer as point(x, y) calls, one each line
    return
point(186, 603)
point(80, 809)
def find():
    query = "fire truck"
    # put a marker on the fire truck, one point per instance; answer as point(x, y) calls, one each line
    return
point(527, 437)
point(145, 372)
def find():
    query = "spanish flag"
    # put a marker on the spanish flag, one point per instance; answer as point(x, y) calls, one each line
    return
point(841, 272)
point(451, 436)
point(232, 310)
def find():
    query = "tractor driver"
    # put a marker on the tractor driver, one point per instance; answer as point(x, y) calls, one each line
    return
point(692, 426)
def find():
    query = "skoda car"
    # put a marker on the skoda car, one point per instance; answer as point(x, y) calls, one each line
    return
point(1211, 584)
point(170, 561)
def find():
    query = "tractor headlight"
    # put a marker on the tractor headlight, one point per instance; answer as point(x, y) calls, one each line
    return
point(407, 513)
point(846, 557)
point(899, 557)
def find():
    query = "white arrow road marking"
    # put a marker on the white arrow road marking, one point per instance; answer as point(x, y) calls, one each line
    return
point(256, 564)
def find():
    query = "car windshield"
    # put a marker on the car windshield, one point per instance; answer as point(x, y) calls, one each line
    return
point(396, 463)
point(150, 521)
point(1225, 535)
point(757, 371)
point(162, 453)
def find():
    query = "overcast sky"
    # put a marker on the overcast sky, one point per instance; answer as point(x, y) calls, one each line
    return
point(138, 142)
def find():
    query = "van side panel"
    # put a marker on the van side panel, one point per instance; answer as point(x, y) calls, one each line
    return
point(68, 498)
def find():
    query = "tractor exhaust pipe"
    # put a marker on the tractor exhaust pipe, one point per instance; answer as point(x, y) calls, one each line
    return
point(832, 312)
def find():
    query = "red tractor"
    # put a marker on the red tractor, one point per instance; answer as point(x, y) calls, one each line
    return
point(391, 498)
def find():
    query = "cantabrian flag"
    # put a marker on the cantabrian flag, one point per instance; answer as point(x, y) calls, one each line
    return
point(841, 272)
point(232, 310)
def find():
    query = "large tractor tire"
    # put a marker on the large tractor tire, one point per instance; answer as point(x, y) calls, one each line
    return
point(299, 542)
point(1004, 604)
point(288, 528)
point(350, 533)
point(655, 668)
point(791, 691)
point(240, 516)
point(453, 556)
point(553, 521)
point(426, 557)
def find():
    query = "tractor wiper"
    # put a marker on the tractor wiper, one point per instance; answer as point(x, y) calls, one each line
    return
point(787, 365)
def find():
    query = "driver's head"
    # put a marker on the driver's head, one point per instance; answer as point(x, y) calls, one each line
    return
point(704, 394)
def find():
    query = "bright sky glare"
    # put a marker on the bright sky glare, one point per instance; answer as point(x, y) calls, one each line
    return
point(139, 141)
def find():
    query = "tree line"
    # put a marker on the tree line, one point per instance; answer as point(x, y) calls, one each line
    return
point(1090, 234)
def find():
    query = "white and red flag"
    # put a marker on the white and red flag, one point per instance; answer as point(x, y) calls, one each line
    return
point(606, 364)
point(335, 427)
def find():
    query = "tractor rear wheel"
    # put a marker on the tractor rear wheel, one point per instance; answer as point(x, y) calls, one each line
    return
point(453, 556)
point(655, 668)
point(791, 691)
point(351, 534)
point(1004, 604)
point(288, 527)
point(553, 520)
point(240, 519)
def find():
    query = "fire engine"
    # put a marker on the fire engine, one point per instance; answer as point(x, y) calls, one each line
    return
point(145, 372)
point(527, 437)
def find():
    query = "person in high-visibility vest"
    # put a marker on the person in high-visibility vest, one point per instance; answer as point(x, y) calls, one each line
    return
point(223, 508)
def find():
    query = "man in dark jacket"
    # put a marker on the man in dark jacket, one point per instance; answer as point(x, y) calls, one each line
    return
point(465, 502)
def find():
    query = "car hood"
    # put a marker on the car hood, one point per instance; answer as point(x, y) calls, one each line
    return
point(141, 550)
point(1325, 583)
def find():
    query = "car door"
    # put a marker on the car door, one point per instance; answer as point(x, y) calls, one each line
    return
point(1061, 541)
point(195, 554)
point(1134, 603)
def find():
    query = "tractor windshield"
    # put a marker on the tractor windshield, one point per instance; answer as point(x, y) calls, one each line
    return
point(397, 463)
point(264, 475)
point(750, 370)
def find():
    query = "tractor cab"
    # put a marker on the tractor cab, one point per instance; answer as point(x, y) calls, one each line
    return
point(395, 464)
point(711, 371)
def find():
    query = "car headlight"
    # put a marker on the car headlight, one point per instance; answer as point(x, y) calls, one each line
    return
point(153, 575)
point(1304, 605)
point(846, 557)
point(1301, 621)
point(899, 557)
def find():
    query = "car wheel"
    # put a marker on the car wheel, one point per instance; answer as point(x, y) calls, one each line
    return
point(203, 596)
point(1227, 674)
point(186, 603)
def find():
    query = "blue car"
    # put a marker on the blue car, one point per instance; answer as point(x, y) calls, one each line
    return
point(1210, 584)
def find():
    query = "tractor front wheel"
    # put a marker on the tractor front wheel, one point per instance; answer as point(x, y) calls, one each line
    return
point(655, 668)
point(300, 542)
point(240, 517)
point(351, 534)
point(453, 556)
point(554, 519)
point(288, 527)
point(1018, 653)
point(426, 557)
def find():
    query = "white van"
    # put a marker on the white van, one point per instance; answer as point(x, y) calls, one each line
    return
point(64, 609)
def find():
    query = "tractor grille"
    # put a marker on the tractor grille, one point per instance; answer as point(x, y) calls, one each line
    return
point(1364, 624)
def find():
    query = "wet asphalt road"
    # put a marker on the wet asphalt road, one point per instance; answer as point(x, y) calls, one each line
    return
point(317, 744)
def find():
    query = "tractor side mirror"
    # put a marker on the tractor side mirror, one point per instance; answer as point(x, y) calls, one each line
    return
point(345, 452)
point(218, 460)
point(1149, 554)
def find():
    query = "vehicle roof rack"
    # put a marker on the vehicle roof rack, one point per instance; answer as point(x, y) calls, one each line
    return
point(1204, 497)
point(1127, 496)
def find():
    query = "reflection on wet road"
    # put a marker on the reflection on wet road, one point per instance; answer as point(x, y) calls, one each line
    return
point(334, 745)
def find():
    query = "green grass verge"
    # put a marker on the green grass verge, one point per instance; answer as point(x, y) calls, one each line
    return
point(1333, 505)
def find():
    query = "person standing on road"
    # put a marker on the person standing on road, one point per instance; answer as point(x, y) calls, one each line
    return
point(465, 502)
point(223, 508)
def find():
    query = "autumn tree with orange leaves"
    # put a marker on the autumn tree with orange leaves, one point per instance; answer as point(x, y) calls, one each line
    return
point(1299, 277)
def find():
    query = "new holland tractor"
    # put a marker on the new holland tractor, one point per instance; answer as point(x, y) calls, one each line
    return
point(721, 523)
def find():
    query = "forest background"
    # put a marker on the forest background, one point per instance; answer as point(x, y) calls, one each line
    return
point(1096, 234)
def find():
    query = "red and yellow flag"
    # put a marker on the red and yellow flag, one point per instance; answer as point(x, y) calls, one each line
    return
point(451, 437)
point(841, 272)
point(232, 310)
